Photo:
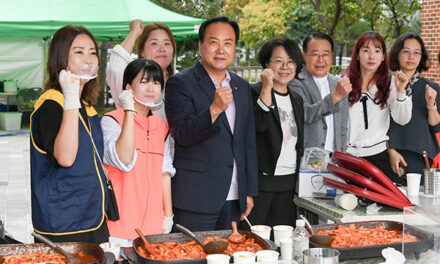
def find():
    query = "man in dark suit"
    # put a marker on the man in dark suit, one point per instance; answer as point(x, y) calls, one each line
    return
point(210, 114)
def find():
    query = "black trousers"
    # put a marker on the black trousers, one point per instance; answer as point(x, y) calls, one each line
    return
point(273, 208)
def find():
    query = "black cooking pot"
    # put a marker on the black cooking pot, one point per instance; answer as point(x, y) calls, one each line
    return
point(132, 253)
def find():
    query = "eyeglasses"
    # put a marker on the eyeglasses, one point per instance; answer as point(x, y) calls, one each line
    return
point(316, 56)
point(416, 53)
point(279, 63)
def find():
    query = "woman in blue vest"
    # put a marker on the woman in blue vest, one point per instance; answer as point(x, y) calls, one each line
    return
point(67, 181)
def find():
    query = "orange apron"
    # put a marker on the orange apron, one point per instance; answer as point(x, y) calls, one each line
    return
point(139, 191)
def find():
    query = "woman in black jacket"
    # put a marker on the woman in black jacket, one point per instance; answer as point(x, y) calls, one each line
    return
point(279, 122)
point(407, 143)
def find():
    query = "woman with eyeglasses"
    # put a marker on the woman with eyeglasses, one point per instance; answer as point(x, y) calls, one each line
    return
point(279, 122)
point(407, 142)
point(376, 98)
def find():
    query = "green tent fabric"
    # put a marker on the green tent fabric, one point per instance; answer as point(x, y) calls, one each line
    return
point(106, 19)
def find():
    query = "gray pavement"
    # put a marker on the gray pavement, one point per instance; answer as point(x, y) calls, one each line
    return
point(15, 193)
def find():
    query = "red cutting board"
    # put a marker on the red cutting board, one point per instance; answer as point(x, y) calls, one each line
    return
point(360, 180)
point(367, 194)
point(369, 170)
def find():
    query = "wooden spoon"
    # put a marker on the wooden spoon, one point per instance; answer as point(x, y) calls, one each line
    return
point(147, 245)
point(235, 237)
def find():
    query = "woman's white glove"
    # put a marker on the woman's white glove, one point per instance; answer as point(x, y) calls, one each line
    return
point(126, 100)
point(70, 87)
point(167, 224)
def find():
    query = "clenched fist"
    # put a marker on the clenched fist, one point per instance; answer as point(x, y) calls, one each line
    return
point(223, 97)
point(136, 27)
point(401, 81)
point(430, 95)
point(267, 77)
point(343, 87)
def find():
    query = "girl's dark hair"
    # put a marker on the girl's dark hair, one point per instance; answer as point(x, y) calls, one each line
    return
point(58, 58)
point(146, 33)
point(150, 69)
point(381, 77)
point(288, 44)
point(398, 46)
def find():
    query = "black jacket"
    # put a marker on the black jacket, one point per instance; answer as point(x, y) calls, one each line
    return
point(269, 139)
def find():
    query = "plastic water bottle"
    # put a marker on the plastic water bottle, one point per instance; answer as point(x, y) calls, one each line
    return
point(300, 239)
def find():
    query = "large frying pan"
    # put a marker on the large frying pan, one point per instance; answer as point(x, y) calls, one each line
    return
point(182, 238)
point(70, 247)
point(369, 170)
point(426, 240)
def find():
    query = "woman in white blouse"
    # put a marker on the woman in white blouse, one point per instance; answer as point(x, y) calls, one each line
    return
point(154, 42)
point(374, 98)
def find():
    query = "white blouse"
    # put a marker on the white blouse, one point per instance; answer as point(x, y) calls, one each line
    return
point(370, 141)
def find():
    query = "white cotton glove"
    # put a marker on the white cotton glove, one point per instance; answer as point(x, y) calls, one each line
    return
point(167, 224)
point(70, 87)
point(127, 101)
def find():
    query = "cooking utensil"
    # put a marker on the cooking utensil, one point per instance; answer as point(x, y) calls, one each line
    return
point(235, 237)
point(213, 247)
point(70, 258)
point(247, 221)
point(426, 240)
point(425, 157)
point(73, 248)
point(148, 247)
point(367, 194)
point(368, 170)
point(323, 240)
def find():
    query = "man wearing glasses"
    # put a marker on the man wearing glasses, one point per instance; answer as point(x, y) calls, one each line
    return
point(325, 97)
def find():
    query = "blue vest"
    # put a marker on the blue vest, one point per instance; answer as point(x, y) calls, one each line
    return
point(69, 200)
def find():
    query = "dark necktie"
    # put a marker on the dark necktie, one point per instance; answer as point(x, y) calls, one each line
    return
point(364, 106)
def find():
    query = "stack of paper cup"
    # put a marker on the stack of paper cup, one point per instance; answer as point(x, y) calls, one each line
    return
point(286, 248)
point(282, 231)
point(346, 201)
point(413, 182)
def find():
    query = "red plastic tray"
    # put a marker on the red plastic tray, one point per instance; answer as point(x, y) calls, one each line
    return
point(369, 170)
point(360, 180)
point(367, 194)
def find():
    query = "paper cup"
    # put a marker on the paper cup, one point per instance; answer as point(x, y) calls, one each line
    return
point(413, 183)
point(115, 249)
point(218, 259)
point(281, 231)
point(267, 256)
point(261, 230)
point(243, 257)
point(346, 201)
point(286, 248)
